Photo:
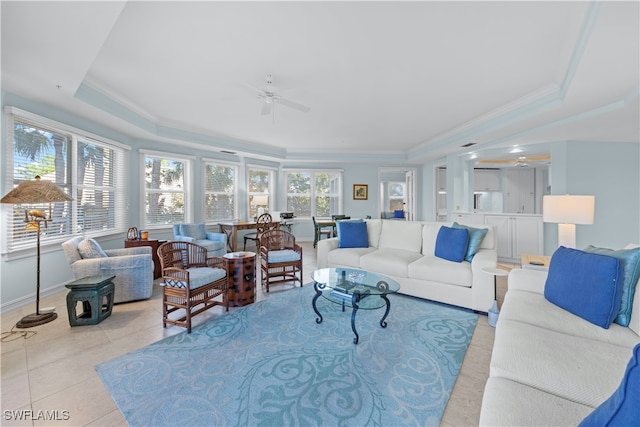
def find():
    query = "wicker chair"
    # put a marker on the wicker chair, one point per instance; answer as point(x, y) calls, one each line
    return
point(280, 258)
point(190, 279)
point(263, 224)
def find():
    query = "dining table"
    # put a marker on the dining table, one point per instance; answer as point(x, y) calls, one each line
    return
point(231, 228)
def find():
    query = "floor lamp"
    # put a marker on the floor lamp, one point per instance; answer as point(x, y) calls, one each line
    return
point(31, 193)
point(567, 211)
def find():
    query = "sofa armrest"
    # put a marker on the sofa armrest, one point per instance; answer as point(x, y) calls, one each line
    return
point(217, 237)
point(325, 246)
point(482, 287)
point(136, 250)
point(184, 239)
point(527, 280)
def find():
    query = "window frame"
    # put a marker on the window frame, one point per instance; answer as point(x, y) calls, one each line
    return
point(271, 184)
point(312, 195)
point(187, 184)
point(236, 188)
point(74, 136)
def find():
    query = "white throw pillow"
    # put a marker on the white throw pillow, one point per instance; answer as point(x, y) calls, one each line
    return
point(89, 248)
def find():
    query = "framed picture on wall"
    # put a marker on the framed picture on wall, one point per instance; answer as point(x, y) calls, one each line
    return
point(360, 191)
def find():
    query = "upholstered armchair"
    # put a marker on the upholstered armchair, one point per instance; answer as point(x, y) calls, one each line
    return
point(216, 243)
point(133, 267)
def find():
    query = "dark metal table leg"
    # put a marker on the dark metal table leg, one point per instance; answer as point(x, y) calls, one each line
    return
point(386, 313)
point(318, 288)
point(354, 303)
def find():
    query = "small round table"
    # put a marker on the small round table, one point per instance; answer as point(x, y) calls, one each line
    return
point(494, 311)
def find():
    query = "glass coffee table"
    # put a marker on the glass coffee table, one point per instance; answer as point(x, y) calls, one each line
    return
point(358, 289)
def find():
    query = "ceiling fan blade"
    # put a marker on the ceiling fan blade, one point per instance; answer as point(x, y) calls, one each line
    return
point(294, 105)
point(266, 109)
point(497, 161)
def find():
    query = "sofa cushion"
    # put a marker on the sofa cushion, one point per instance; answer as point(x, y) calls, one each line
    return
point(585, 284)
point(575, 368)
point(210, 245)
point(623, 407)
point(89, 248)
point(440, 270)
point(404, 235)
point(534, 309)
point(197, 231)
point(284, 255)
point(352, 234)
point(630, 259)
point(348, 257)
point(392, 262)
point(374, 228)
point(452, 243)
point(476, 236)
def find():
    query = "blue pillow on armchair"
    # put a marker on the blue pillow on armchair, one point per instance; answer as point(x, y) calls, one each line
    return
point(585, 284)
point(452, 243)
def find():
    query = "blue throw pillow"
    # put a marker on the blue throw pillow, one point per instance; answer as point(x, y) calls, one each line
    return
point(398, 213)
point(630, 259)
point(476, 236)
point(452, 243)
point(623, 407)
point(585, 284)
point(352, 234)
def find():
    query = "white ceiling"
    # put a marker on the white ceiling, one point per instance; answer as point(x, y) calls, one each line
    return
point(399, 80)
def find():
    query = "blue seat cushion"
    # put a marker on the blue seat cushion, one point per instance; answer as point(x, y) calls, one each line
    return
point(283, 255)
point(623, 407)
point(200, 276)
point(585, 284)
point(452, 243)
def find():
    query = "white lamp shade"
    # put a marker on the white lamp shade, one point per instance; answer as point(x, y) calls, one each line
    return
point(568, 209)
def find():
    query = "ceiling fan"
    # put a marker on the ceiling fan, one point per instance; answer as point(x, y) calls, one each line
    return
point(271, 97)
point(521, 161)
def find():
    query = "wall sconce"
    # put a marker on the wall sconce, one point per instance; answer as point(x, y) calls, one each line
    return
point(567, 211)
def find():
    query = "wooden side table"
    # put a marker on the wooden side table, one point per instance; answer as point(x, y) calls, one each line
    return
point(157, 267)
point(535, 262)
point(242, 277)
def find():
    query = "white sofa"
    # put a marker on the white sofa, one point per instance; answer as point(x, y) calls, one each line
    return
point(548, 366)
point(404, 251)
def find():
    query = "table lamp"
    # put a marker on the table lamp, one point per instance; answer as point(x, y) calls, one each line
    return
point(567, 211)
point(34, 193)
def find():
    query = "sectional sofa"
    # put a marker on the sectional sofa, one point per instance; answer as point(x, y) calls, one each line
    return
point(405, 252)
point(550, 366)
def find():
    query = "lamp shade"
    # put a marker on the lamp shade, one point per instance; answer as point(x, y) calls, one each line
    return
point(36, 191)
point(568, 209)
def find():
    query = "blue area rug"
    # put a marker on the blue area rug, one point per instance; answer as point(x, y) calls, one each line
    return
point(271, 364)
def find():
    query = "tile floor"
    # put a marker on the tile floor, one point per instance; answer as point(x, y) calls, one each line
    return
point(53, 370)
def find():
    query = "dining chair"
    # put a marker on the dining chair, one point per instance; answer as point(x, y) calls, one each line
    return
point(320, 230)
point(263, 224)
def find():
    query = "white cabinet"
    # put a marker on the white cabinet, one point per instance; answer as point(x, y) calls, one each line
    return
point(517, 234)
point(486, 179)
point(519, 191)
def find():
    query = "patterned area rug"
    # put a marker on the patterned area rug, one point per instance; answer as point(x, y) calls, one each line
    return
point(271, 364)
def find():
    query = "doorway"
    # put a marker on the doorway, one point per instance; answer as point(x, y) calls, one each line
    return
point(397, 192)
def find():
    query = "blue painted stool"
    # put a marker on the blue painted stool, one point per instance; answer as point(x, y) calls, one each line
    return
point(96, 294)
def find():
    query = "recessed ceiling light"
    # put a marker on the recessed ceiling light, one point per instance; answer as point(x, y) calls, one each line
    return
point(516, 149)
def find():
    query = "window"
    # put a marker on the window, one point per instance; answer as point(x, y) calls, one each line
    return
point(166, 188)
point(259, 182)
point(313, 193)
point(396, 196)
point(220, 191)
point(88, 168)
